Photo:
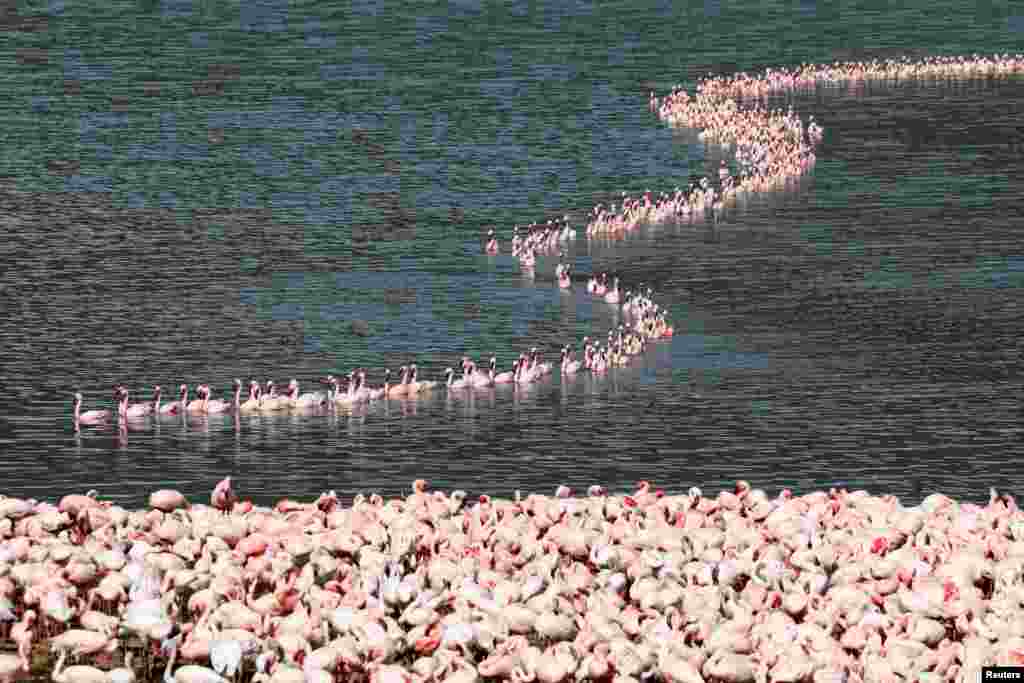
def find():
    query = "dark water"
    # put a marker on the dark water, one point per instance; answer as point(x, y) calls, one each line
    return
point(196, 192)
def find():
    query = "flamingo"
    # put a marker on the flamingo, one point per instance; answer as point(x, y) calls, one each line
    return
point(89, 417)
point(402, 388)
point(360, 394)
point(175, 407)
point(482, 380)
point(270, 400)
point(253, 402)
point(190, 673)
point(223, 496)
point(524, 373)
point(415, 385)
point(492, 243)
point(218, 406)
point(455, 384)
point(308, 400)
point(569, 366)
point(196, 407)
point(541, 368)
point(135, 410)
point(372, 393)
point(503, 377)
point(564, 279)
point(613, 296)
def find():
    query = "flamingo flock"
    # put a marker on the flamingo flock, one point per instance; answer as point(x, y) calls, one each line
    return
point(647, 322)
point(639, 586)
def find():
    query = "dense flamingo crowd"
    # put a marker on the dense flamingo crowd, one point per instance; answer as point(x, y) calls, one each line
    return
point(740, 587)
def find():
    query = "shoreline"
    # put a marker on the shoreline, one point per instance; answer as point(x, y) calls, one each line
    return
point(739, 586)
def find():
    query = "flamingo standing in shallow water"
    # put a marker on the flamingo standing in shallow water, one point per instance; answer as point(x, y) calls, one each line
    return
point(223, 496)
point(564, 279)
point(217, 406)
point(401, 389)
point(613, 296)
point(455, 384)
point(89, 417)
point(137, 409)
point(175, 407)
point(569, 366)
point(253, 402)
point(416, 386)
point(503, 377)
point(196, 407)
point(492, 243)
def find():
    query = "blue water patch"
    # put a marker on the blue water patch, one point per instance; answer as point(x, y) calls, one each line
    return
point(264, 16)
point(503, 90)
point(40, 104)
point(288, 311)
point(90, 122)
point(168, 151)
point(175, 9)
point(342, 312)
point(366, 8)
point(199, 39)
point(691, 351)
point(168, 200)
point(329, 215)
point(55, 8)
point(247, 200)
point(360, 68)
point(439, 134)
point(77, 70)
point(136, 200)
point(428, 28)
point(83, 183)
point(292, 200)
point(315, 36)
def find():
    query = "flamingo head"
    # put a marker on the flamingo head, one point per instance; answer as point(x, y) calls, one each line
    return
point(78, 397)
point(412, 370)
point(183, 389)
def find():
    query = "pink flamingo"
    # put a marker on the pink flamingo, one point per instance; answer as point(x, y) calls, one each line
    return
point(564, 279)
point(402, 388)
point(569, 366)
point(218, 406)
point(492, 243)
point(135, 410)
point(89, 417)
point(175, 407)
point(196, 407)
point(527, 259)
point(416, 386)
point(223, 496)
point(456, 384)
point(541, 368)
point(613, 296)
point(503, 377)
point(373, 393)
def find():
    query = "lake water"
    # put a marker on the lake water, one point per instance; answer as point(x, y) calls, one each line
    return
point(194, 192)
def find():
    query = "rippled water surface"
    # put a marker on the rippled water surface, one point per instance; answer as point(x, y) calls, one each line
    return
point(196, 192)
